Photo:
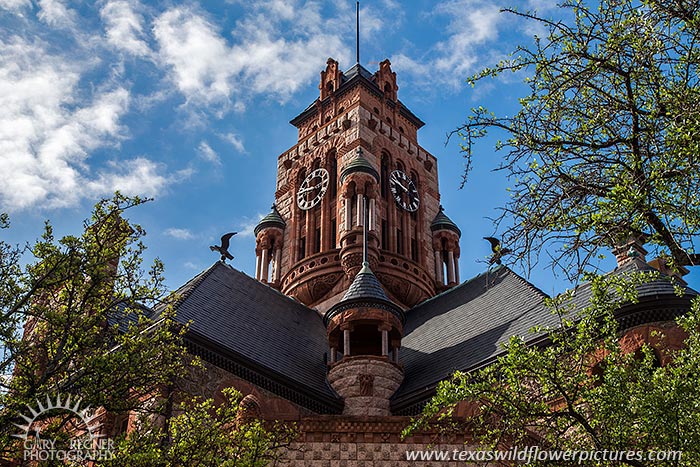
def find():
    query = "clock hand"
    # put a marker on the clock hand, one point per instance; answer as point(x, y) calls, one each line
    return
point(306, 190)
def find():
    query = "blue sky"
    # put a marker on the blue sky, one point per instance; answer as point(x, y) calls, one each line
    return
point(189, 103)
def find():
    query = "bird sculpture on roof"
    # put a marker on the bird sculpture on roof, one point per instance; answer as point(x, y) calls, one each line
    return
point(497, 249)
point(223, 248)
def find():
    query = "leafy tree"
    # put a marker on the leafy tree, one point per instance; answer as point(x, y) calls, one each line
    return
point(578, 389)
point(606, 143)
point(203, 434)
point(78, 321)
point(75, 321)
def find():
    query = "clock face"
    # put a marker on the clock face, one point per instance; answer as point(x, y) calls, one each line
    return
point(312, 189)
point(404, 191)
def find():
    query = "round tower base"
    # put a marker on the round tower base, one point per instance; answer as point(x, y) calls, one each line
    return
point(366, 383)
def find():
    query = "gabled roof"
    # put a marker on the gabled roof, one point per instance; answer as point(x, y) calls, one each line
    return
point(358, 74)
point(259, 330)
point(465, 327)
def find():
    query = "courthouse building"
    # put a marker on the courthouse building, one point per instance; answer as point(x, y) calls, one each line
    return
point(357, 309)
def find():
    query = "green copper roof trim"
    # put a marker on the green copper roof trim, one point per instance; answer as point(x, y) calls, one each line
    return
point(273, 219)
point(359, 164)
point(441, 222)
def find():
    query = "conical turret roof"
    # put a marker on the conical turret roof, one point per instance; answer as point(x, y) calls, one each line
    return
point(358, 164)
point(366, 291)
point(273, 219)
point(441, 221)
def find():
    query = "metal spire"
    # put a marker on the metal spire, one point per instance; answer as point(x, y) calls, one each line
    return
point(357, 30)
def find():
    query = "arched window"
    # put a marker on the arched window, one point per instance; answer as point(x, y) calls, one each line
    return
point(385, 175)
point(301, 232)
point(333, 173)
point(329, 86)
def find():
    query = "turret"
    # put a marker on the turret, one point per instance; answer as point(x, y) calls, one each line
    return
point(364, 334)
point(359, 181)
point(446, 237)
point(269, 238)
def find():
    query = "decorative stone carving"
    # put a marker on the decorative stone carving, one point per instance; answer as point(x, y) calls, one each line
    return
point(366, 384)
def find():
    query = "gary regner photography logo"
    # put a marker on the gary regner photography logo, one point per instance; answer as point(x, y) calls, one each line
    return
point(80, 438)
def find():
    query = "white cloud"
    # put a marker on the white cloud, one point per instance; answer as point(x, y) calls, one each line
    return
point(208, 69)
point(236, 141)
point(191, 265)
point(247, 226)
point(15, 5)
point(49, 130)
point(139, 176)
point(471, 24)
point(180, 234)
point(55, 13)
point(208, 154)
point(124, 27)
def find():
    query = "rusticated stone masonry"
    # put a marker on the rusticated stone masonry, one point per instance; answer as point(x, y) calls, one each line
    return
point(366, 384)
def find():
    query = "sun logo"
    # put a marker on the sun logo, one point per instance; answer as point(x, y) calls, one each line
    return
point(86, 423)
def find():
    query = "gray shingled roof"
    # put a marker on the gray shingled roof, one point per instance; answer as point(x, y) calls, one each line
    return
point(465, 326)
point(365, 286)
point(257, 325)
point(365, 290)
point(661, 287)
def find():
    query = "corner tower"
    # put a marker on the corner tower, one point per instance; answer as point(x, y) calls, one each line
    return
point(356, 140)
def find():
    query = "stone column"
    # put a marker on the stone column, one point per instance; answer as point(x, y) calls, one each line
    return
point(278, 265)
point(257, 265)
point(348, 213)
point(360, 210)
point(331, 358)
point(438, 268)
point(406, 230)
point(372, 214)
point(346, 342)
point(385, 339)
point(457, 269)
point(310, 231)
point(450, 267)
point(265, 265)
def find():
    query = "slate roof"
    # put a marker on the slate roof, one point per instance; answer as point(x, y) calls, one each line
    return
point(365, 286)
point(652, 290)
point(465, 327)
point(258, 327)
point(365, 290)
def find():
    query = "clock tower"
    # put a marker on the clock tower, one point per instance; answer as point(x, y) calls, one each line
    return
point(357, 146)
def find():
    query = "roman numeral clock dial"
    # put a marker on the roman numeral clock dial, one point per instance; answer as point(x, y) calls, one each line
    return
point(404, 191)
point(312, 189)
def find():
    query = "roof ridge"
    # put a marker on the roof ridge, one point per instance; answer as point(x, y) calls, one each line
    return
point(527, 282)
point(191, 285)
point(287, 297)
point(463, 284)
